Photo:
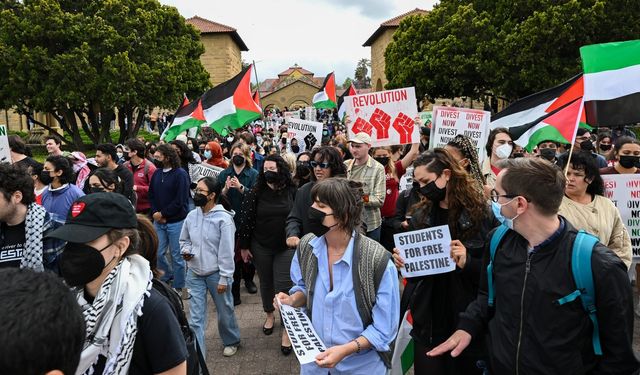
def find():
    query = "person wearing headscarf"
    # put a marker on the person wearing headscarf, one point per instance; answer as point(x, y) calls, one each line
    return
point(80, 167)
point(213, 155)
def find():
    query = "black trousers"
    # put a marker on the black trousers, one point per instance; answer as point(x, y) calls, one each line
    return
point(244, 271)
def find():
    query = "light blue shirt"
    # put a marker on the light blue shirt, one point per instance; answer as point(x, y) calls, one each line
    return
point(335, 315)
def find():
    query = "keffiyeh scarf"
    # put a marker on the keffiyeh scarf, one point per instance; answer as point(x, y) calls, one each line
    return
point(112, 319)
point(34, 226)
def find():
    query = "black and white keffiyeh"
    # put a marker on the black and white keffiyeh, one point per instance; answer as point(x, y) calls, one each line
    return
point(34, 226)
point(111, 320)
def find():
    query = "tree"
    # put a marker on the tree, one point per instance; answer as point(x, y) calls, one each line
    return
point(510, 48)
point(84, 62)
point(361, 75)
point(347, 82)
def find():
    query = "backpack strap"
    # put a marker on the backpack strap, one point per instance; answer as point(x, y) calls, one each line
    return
point(583, 277)
point(493, 247)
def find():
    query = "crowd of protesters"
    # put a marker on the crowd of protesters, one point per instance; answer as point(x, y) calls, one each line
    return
point(317, 227)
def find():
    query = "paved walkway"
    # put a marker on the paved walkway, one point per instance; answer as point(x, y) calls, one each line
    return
point(260, 354)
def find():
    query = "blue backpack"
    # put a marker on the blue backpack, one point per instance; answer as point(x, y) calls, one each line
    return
point(582, 275)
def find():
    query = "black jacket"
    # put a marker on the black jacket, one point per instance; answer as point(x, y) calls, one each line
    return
point(530, 334)
point(298, 219)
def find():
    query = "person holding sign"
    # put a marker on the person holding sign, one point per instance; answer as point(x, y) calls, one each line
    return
point(354, 312)
point(531, 331)
point(626, 154)
point(449, 197)
point(585, 206)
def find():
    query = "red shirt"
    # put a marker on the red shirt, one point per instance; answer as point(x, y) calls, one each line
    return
point(392, 186)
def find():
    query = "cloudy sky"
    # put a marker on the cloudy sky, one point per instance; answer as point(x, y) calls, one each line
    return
point(319, 35)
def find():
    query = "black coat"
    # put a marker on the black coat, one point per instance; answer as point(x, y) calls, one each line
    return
point(554, 339)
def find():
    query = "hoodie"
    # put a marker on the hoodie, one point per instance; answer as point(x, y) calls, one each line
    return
point(210, 238)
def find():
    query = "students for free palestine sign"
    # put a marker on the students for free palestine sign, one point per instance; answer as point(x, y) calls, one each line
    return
point(308, 133)
point(451, 121)
point(624, 192)
point(425, 251)
point(389, 117)
point(304, 339)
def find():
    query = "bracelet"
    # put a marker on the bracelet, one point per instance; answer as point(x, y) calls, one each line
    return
point(358, 344)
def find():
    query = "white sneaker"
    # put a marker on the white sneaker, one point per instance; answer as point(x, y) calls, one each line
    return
point(229, 351)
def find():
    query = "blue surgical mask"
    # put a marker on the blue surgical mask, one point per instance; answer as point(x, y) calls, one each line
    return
point(497, 212)
point(207, 154)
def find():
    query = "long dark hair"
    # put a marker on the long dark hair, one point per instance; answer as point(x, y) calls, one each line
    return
point(586, 162)
point(185, 155)
point(170, 154)
point(215, 186)
point(108, 177)
point(283, 171)
point(331, 156)
point(61, 163)
point(462, 193)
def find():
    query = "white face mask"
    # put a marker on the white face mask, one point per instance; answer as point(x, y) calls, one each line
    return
point(120, 154)
point(504, 151)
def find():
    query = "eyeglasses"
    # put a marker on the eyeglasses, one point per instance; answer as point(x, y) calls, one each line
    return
point(203, 192)
point(324, 165)
point(495, 195)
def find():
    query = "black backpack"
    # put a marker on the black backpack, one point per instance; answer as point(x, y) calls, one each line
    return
point(195, 361)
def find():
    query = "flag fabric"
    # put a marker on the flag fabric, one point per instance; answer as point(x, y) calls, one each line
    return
point(256, 99)
point(402, 359)
point(186, 117)
point(230, 104)
point(326, 97)
point(550, 115)
point(612, 83)
point(342, 107)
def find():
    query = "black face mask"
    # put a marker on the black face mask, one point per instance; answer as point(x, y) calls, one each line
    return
point(295, 149)
point(81, 263)
point(303, 170)
point(586, 145)
point(96, 189)
point(605, 147)
point(517, 155)
point(158, 163)
point(548, 153)
point(126, 156)
point(382, 160)
point(316, 217)
point(237, 160)
point(200, 200)
point(45, 177)
point(272, 177)
point(629, 161)
point(432, 192)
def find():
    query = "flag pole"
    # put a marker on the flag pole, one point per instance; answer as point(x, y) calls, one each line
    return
point(573, 139)
point(255, 71)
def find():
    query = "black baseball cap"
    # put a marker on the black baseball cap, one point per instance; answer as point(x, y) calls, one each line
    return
point(93, 215)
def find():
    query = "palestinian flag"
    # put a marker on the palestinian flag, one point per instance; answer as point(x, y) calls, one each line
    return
point(326, 97)
point(402, 359)
point(230, 104)
point(550, 115)
point(612, 83)
point(188, 116)
point(342, 107)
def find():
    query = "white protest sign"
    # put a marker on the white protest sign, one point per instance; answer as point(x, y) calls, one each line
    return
point(5, 151)
point(292, 114)
point(387, 116)
point(308, 133)
point(450, 121)
point(407, 179)
point(306, 343)
point(425, 251)
point(199, 171)
point(624, 192)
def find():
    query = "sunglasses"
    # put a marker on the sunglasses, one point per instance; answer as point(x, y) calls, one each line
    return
point(324, 165)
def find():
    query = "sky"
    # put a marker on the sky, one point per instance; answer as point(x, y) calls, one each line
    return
point(319, 35)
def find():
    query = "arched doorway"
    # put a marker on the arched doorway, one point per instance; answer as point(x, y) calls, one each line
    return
point(379, 85)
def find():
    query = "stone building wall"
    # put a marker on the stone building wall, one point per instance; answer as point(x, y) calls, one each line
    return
point(378, 78)
point(221, 57)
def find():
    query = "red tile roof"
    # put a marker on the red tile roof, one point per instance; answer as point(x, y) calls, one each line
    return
point(394, 22)
point(206, 26)
point(293, 68)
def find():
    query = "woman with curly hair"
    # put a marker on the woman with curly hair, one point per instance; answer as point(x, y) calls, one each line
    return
point(449, 197)
point(465, 153)
point(261, 235)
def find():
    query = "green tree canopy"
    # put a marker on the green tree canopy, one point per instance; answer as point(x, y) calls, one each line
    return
point(84, 61)
point(511, 48)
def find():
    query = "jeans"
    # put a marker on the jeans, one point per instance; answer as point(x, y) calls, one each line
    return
point(169, 236)
point(375, 234)
point(227, 323)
